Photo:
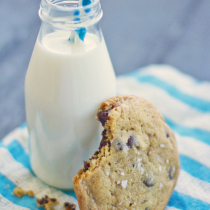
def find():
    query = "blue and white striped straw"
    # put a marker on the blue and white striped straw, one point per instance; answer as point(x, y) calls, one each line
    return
point(82, 31)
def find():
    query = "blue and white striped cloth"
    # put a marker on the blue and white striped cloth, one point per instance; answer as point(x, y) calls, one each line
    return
point(185, 104)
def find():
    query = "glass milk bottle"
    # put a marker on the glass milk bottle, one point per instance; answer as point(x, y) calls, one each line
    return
point(69, 75)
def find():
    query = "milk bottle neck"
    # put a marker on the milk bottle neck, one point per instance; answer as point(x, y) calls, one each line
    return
point(68, 15)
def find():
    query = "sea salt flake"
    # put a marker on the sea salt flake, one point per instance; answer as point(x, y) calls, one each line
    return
point(162, 145)
point(160, 186)
point(160, 168)
point(107, 173)
point(142, 170)
point(124, 183)
point(150, 152)
point(139, 162)
point(120, 203)
point(122, 173)
point(167, 161)
point(118, 182)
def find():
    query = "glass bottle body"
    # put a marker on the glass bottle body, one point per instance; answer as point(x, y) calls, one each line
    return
point(65, 84)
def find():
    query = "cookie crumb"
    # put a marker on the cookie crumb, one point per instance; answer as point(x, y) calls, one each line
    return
point(47, 202)
point(30, 193)
point(70, 206)
point(19, 192)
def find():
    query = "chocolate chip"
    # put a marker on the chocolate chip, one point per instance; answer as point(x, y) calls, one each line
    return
point(86, 166)
point(118, 145)
point(104, 135)
point(149, 182)
point(43, 200)
point(103, 116)
point(103, 144)
point(130, 142)
point(167, 133)
point(104, 132)
point(69, 206)
point(66, 204)
point(122, 147)
point(40, 201)
point(53, 199)
point(96, 153)
point(95, 156)
point(147, 208)
point(171, 172)
point(144, 201)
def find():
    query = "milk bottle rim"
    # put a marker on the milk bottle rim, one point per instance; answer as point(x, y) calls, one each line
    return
point(67, 4)
point(67, 14)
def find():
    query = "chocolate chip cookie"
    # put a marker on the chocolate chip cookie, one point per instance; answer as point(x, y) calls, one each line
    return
point(137, 164)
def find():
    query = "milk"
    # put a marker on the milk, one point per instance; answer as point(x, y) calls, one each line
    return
point(65, 84)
